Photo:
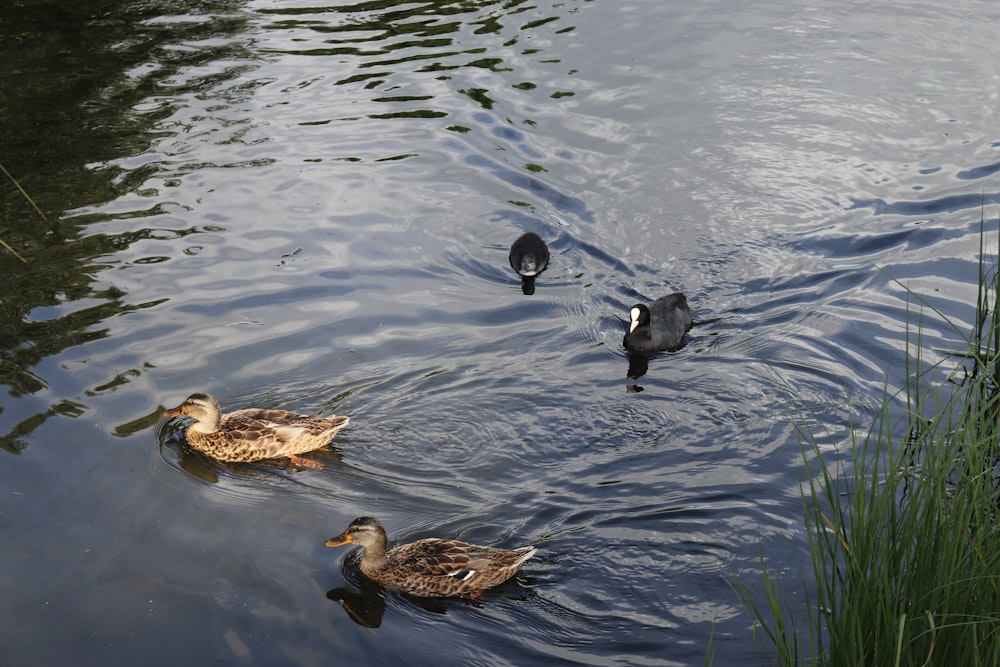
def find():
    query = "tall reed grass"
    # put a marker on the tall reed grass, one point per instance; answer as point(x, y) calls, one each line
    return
point(904, 534)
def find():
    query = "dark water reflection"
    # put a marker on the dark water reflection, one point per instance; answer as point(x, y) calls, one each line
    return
point(311, 207)
point(69, 92)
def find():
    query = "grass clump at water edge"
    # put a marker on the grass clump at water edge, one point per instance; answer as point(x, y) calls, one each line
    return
point(905, 542)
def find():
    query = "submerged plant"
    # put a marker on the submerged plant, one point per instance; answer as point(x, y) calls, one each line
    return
point(29, 200)
point(904, 538)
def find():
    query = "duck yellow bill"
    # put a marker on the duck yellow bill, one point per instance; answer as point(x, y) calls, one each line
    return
point(173, 412)
point(339, 540)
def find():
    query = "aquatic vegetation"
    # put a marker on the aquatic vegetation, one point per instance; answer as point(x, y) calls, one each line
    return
point(29, 200)
point(903, 529)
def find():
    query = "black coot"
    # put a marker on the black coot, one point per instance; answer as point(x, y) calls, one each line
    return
point(659, 326)
point(529, 256)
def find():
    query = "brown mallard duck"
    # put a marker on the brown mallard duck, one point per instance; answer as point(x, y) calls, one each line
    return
point(430, 567)
point(254, 434)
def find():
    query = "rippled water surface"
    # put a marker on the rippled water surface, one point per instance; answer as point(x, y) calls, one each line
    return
point(310, 207)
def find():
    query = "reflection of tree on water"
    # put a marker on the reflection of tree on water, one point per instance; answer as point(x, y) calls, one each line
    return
point(13, 442)
point(51, 282)
point(25, 342)
point(89, 86)
point(68, 97)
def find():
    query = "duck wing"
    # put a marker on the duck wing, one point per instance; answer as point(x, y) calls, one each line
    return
point(435, 567)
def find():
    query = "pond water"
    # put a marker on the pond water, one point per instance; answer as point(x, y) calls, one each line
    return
point(310, 206)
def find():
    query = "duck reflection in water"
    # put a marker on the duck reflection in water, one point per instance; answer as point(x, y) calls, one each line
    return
point(367, 606)
point(529, 256)
point(638, 364)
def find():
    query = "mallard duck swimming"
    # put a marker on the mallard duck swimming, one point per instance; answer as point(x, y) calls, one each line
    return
point(659, 326)
point(431, 567)
point(254, 434)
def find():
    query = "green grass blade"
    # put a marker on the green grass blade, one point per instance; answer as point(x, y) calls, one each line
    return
point(23, 193)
